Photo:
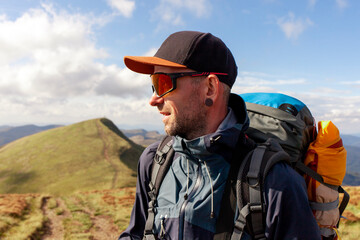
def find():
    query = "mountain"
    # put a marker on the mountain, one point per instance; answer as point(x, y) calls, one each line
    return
point(350, 140)
point(352, 166)
point(89, 155)
point(23, 149)
point(9, 134)
point(143, 137)
point(352, 179)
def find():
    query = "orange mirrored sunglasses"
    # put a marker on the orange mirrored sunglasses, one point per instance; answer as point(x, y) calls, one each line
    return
point(163, 83)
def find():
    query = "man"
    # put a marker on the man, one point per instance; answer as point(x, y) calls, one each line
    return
point(192, 74)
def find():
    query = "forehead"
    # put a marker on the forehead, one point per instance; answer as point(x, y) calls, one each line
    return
point(165, 69)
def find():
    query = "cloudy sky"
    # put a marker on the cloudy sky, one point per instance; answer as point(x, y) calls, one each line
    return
point(61, 61)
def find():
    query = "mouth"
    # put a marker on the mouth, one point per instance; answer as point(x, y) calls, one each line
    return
point(165, 115)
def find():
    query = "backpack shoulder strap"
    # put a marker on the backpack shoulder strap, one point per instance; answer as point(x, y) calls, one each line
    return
point(225, 220)
point(250, 188)
point(161, 164)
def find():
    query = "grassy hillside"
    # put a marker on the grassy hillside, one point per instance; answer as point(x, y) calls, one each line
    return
point(350, 224)
point(100, 215)
point(86, 215)
point(88, 155)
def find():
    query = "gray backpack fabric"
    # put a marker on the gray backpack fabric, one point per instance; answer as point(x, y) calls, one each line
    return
point(283, 118)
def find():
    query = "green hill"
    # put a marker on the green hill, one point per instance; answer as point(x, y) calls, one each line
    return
point(84, 156)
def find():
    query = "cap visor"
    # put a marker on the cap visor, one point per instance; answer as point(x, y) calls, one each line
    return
point(146, 64)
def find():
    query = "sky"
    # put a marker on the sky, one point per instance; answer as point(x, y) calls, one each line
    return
point(61, 61)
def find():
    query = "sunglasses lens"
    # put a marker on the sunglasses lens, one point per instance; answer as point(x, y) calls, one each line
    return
point(162, 83)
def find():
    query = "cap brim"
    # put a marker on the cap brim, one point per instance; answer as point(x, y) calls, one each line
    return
point(146, 64)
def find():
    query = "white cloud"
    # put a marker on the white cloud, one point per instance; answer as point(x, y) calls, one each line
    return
point(172, 11)
point(335, 104)
point(262, 79)
point(341, 109)
point(50, 54)
point(123, 82)
point(50, 69)
point(293, 27)
point(342, 3)
point(125, 7)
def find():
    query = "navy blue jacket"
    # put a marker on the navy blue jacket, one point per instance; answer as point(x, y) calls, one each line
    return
point(199, 170)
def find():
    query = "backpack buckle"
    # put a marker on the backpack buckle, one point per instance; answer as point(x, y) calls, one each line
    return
point(159, 158)
point(253, 181)
point(256, 207)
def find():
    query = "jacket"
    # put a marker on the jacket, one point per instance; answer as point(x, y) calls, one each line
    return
point(190, 196)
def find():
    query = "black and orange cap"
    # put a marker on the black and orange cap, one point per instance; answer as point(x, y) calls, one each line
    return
point(199, 51)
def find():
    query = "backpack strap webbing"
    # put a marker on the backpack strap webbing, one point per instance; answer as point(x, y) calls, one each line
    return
point(161, 164)
point(225, 220)
point(249, 190)
point(344, 201)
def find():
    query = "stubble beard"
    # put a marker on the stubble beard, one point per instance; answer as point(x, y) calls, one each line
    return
point(191, 122)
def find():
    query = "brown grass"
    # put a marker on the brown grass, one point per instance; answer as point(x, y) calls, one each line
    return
point(14, 204)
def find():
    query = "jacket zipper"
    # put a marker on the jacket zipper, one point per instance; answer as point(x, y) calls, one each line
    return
point(184, 205)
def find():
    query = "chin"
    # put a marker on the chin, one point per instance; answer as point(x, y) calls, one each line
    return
point(169, 130)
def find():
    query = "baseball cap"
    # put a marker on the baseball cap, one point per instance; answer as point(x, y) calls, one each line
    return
point(198, 51)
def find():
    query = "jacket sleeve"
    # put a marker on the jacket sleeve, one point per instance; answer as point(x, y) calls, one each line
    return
point(138, 217)
point(288, 212)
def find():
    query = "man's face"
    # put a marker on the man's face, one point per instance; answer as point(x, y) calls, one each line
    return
point(183, 109)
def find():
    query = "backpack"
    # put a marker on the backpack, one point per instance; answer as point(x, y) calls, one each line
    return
point(277, 123)
point(289, 122)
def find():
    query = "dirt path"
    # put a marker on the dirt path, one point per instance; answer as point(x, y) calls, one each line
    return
point(102, 227)
point(54, 227)
point(106, 154)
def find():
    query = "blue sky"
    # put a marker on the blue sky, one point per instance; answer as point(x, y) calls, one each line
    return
point(62, 61)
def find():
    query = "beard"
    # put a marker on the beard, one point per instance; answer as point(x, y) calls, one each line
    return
point(190, 122)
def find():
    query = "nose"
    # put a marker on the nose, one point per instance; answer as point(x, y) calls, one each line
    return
point(155, 100)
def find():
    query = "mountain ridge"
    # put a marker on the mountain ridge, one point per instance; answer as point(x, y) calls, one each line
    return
point(89, 155)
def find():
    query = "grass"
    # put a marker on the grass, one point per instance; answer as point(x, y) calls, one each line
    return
point(28, 224)
point(26, 220)
point(115, 204)
point(80, 157)
point(94, 155)
point(350, 225)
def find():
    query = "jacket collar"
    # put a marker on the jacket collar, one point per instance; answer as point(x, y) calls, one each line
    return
point(224, 139)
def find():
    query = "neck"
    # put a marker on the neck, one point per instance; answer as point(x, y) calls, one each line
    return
point(214, 118)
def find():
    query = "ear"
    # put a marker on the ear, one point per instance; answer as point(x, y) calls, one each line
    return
point(213, 87)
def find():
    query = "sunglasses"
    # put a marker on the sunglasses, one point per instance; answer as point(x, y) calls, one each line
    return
point(163, 83)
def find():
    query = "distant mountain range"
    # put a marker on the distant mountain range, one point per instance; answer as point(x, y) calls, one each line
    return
point(9, 134)
point(145, 138)
point(350, 140)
